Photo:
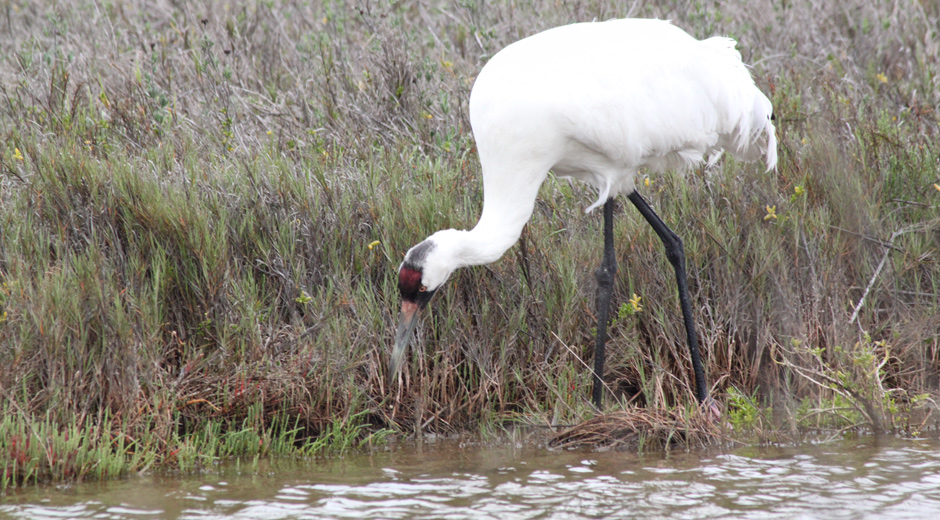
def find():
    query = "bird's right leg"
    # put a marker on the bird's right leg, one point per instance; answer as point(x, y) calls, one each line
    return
point(676, 255)
point(605, 285)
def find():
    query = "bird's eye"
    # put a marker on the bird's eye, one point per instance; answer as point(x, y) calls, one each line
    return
point(423, 288)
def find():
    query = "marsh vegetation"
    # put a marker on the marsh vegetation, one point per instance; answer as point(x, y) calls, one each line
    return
point(203, 207)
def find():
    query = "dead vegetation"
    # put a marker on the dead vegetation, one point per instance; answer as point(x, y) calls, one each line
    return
point(644, 429)
point(202, 208)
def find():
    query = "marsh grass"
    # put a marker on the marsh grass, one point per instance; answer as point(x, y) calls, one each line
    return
point(203, 207)
point(641, 430)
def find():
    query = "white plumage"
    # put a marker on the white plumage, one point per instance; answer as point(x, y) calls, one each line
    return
point(596, 102)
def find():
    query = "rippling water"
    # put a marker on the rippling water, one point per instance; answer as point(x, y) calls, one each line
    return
point(860, 479)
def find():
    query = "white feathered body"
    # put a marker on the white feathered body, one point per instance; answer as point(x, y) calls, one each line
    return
point(598, 102)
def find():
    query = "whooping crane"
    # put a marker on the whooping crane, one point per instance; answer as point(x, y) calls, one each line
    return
point(595, 102)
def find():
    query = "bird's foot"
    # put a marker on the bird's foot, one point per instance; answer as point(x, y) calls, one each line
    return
point(711, 409)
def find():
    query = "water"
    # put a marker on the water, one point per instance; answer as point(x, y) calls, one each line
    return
point(845, 479)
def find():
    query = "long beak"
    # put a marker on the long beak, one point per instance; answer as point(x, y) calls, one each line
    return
point(407, 320)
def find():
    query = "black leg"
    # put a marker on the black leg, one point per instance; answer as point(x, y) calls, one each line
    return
point(605, 285)
point(676, 255)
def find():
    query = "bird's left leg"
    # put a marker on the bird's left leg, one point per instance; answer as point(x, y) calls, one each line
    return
point(605, 285)
point(676, 255)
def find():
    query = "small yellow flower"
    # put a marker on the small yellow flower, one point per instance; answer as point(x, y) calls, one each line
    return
point(374, 243)
point(881, 77)
point(937, 186)
point(635, 303)
point(771, 212)
point(798, 190)
point(17, 155)
point(269, 132)
point(304, 298)
point(647, 181)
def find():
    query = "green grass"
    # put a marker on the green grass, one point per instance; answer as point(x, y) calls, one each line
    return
point(188, 199)
point(40, 448)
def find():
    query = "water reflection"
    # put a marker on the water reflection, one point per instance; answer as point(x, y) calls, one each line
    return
point(900, 479)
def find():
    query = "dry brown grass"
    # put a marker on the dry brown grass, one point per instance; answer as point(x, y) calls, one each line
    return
point(187, 192)
point(641, 429)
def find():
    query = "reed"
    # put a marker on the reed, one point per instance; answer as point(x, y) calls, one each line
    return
point(203, 208)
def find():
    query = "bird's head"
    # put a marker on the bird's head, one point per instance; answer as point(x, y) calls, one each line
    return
point(426, 267)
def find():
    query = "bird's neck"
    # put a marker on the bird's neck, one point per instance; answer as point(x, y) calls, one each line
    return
point(509, 191)
point(484, 244)
point(464, 248)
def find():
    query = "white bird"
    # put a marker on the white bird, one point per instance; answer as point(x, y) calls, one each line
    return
point(596, 102)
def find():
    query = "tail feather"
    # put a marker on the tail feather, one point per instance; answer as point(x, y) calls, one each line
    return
point(770, 157)
point(753, 135)
point(749, 133)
